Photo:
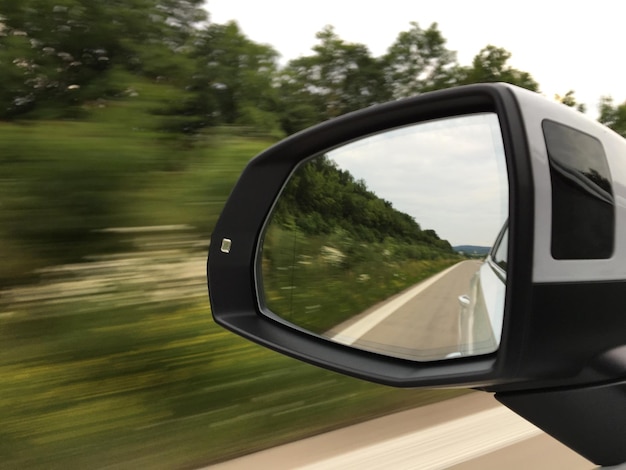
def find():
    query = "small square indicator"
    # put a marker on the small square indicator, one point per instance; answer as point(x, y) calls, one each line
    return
point(226, 244)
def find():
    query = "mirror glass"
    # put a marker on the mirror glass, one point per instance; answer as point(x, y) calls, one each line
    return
point(385, 243)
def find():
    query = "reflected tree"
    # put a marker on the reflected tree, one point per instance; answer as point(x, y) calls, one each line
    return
point(321, 198)
point(333, 248)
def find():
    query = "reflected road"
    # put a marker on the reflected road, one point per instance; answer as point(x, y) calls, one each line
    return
point(420, 323)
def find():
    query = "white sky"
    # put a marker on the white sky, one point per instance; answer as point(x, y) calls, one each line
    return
point(563, 45)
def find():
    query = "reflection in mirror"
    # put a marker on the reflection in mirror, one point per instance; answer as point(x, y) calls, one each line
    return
point(384, 243)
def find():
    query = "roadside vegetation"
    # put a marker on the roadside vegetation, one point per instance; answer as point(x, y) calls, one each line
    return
point(123, 128)
point(115, 359)
point(333, 248)
point(159, 385)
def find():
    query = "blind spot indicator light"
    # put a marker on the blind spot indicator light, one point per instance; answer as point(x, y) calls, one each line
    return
point(226, 244)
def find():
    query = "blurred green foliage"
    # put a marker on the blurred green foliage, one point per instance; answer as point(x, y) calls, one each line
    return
point(113, 373)
point(160, 386)
point(58, 56)
point(613, 115)
point(63, 182)
point(118, 116)
point(61, 54)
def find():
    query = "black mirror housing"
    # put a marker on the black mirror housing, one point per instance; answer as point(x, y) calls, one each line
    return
point(563, 333)
point(558, 325)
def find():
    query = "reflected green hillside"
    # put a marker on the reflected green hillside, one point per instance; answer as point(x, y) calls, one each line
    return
point(333, 249)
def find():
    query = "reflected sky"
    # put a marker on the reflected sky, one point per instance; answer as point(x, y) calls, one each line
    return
point(449, 174)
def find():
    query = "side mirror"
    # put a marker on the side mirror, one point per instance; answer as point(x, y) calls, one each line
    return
point(359, 248)
point(465, 237)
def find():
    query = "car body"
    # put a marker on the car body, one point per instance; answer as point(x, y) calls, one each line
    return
point(481, 313)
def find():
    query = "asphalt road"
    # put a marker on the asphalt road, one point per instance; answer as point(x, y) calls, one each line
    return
point(472, 432)
point(420, 323)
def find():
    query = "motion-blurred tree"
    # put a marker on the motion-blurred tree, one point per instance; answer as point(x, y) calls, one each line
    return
point(490, 65)
point(568, 99)
point(338, 78)
point(59, 53)
point(234, 78)
point(612, 115)
point(418, 61)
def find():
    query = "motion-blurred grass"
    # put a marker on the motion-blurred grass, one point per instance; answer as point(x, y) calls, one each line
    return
point(115, 373)
point(162, 388)
point(62, 182)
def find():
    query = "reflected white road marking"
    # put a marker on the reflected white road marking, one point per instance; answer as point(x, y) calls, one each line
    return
point(351, 334)
point(439, 446)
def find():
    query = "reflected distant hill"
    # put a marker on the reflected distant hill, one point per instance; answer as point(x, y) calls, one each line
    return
point(322, 199)
point(472, 250)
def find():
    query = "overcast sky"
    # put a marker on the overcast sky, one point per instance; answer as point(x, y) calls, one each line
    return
point(563, 45)
point(449, 174)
